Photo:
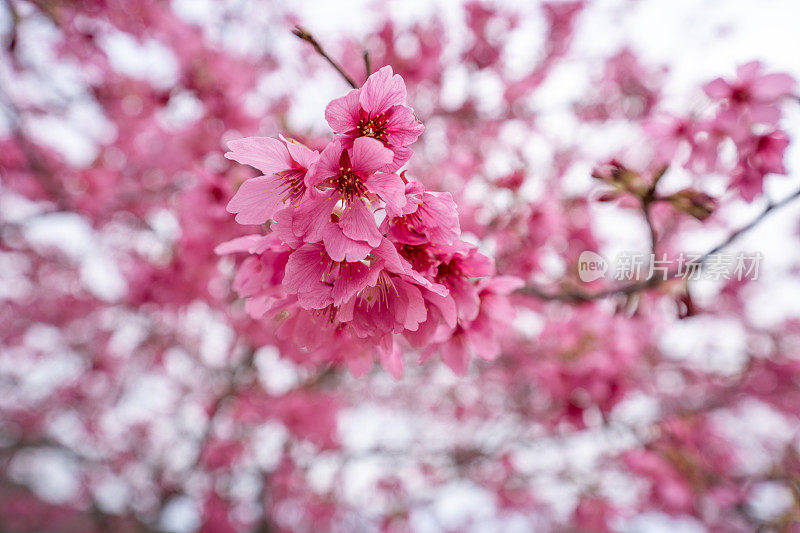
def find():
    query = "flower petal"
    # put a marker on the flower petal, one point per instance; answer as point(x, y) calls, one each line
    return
point(257, 200)
point(304, 268)
point(717, 88)
point(358, 223)
point(390, 188)
point(368, 155)
point(239, 244)
point(381, 91)
point(392, 359)
point(311, 216)
point(342, 114)
point(302, 154)
point(773, 86)
point(353, 277)
point(402, 127)
point(342, 248)
point(264, 153)
point(326, 165)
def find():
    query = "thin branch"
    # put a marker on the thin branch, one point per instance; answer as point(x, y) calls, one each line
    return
point(367, 63)
point(576, 296)
point(648, 217)
point(15, 19)
point(304, 35)
point(753, 223)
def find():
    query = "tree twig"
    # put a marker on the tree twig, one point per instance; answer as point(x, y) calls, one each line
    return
point(367, 63)
point(577, 296)
point(648, 218)
point(304, 35)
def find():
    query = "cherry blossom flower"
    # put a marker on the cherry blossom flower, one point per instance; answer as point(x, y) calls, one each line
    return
point(350, 177)
point(426, 217)
point(753, 93)
point(758, 157)
point(284, 164)
point(377, 110)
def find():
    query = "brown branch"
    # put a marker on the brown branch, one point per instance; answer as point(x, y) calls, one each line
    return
point(648, 218)
point(577, 296)
point(15, 19)
point(304, 35)
point(367, 63)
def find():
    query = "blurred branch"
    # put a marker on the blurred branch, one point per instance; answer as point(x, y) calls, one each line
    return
point(38, 164)
point(367, 63)
point(577, 295)
point(15, 18)
point(304, 35)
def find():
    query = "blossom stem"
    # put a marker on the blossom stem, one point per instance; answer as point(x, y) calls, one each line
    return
point(304, 35)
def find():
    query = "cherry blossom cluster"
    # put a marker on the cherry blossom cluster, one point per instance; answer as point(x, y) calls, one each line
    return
point(357, 254)
point(746, 115)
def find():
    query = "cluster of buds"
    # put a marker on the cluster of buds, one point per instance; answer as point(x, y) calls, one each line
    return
point(626, 182)
point(622, 180)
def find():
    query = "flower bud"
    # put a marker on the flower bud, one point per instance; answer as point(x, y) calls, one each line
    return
point(693, 202)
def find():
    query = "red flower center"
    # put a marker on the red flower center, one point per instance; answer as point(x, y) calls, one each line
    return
point(348, 183)
point(293, 186)
point(373, 127)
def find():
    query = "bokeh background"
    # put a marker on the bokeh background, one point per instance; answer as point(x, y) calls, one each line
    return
point(136, 395)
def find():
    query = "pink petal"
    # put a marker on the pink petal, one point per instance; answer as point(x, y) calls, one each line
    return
point(381, 91)
point(342, 248)
point(257, 200)
point(239, 244)
point(343, 113)
point(415, 312)
point(315, 296)
point(717, 88)
point(326, 165)
point(773, 86)
point(748, 71)
point(359, 363)
point(764, 113)
point(466, 298)
point(439, 214)
point(264, 153)
point(388, 253)
point(455, 356)
point(402, 128)
point(305, 268)
point(446, 305)
point(302, 154)
point(400, 157)
point(358, 223)
point(477, 265)
point(258, 306)
point(484, 344)
point(368, 155)
point(282, 227)
point(250, 277)
point(353, 278)
point(390, 188)
point(503, 284)
point(311, 216)
point(392, 360)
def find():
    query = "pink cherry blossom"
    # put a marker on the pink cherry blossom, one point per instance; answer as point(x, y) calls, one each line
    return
point(377, 110)
point(284, 165)
point(426, 217)
point(753, 93)
point(758, 157)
